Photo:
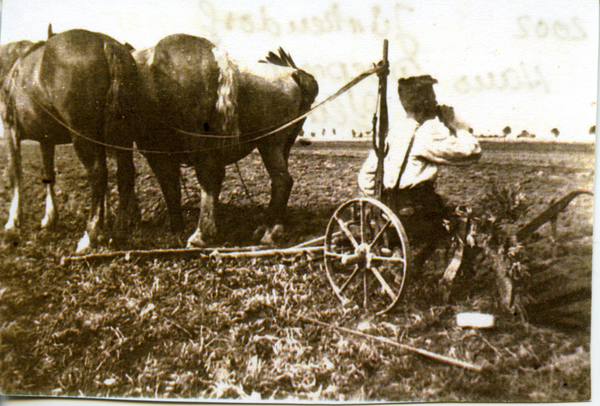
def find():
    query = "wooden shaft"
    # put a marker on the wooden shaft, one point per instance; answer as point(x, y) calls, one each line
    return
point(314, 241)
point(383, 121)
point(437, 357)
point(552, 212)
point(270, 253)
point(189, 253)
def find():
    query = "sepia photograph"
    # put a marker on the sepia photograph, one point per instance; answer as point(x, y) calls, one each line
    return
point(297, 201)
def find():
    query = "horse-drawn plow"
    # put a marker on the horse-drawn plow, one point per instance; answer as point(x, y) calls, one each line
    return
point(365, 240)
point(366, 254)
point(231, 316)
point(345, 258)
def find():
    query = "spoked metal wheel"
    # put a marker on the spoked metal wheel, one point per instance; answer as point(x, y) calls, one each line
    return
point(366, 254)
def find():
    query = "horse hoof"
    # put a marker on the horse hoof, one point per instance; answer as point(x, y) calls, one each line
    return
point(196, 241)
point(49, 223)
point(272, 236)
point(259, 233)
point(196, 244)
point(84, 245)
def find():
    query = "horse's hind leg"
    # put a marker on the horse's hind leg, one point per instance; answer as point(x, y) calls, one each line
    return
point(275, 160)
point(93, 158)
point(14, 181)
point(210, 177)
point(128, 212)
point(48, 177)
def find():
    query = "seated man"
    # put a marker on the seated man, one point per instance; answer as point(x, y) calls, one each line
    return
point(429, 136)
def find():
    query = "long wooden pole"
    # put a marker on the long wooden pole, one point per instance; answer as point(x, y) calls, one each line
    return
point(383, 122)
point(429, 354)
point(188, 253)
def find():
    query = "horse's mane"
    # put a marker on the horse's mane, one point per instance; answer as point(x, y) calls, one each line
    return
point(227, 92)
point(13, 53)
point(283, 59)
point(31, 48)
point(16, 52)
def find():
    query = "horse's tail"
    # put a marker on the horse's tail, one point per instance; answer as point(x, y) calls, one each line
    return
point(283, 59)
point(308, 86)
point(307, 83)
point(121, 100)
point(227, 93)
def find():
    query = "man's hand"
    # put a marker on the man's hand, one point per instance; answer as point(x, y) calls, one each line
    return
point(447, 116)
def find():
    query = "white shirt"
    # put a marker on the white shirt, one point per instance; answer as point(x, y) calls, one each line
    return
point(433, 145)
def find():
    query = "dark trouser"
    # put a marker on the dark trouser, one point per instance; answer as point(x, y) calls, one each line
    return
point(421, 211)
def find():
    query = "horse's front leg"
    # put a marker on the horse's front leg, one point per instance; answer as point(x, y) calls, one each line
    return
point(210, 177)
point(93, 158)
point(168, 173)
point(48, 177)
point(14, 182)
point(281, 186)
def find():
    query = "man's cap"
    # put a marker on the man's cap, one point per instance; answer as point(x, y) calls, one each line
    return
point(416, 81)
point(411, 89)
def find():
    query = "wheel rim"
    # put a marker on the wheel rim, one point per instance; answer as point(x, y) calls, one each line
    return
point(366, 254)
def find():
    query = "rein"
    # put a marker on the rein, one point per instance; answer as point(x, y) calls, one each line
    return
point(251, 137)
point(269, 131)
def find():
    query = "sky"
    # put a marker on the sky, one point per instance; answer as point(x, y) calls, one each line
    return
point(530, 65)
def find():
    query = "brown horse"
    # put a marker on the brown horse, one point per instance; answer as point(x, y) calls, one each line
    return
point(206, 111)
point(77, 87)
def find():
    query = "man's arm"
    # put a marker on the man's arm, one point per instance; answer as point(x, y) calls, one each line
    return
point(366, 176)
point(433, 142)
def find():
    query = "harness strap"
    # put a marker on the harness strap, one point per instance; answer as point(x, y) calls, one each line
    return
point(406, 156)
point(269, 131)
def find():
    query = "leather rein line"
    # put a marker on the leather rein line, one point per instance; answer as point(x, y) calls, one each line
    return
point(262, 133)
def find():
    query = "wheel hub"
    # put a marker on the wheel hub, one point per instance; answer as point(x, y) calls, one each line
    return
point(361, 256)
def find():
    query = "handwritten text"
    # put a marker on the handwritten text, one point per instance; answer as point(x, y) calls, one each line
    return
point(509, 79)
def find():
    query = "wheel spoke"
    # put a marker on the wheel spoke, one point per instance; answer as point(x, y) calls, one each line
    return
point(364, 234)
point(365, 302)
point(356, 269)
point(380, 233)
point(346, 231)
point(388, 259)
point(363, 221)
point(334, 254)
point(383, 283)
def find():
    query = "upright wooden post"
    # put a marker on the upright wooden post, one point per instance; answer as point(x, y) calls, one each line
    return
point(380, 136)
